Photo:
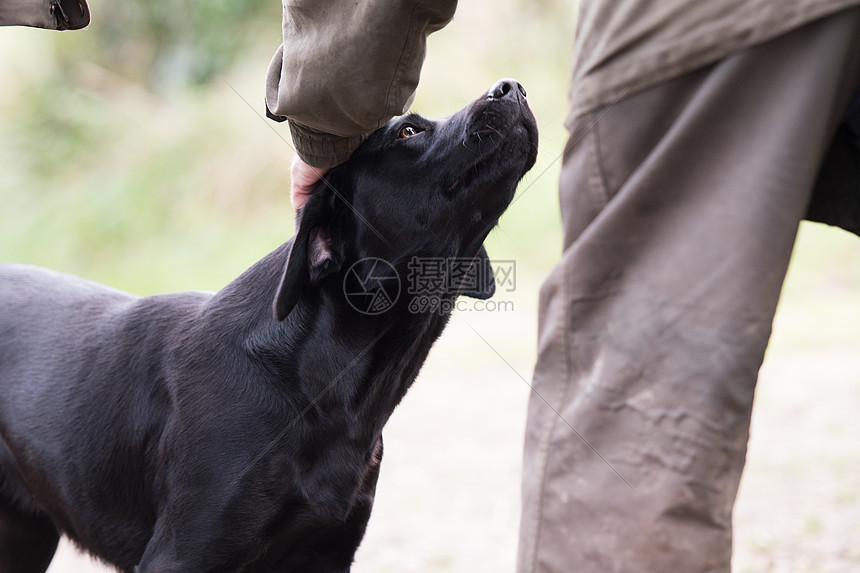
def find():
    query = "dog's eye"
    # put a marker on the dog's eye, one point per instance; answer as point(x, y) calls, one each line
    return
point(409, 131)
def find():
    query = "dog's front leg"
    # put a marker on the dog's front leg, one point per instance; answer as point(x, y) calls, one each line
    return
point(198, 534)
point(158, 556)
point(335, 550)
point(195, 553)
point(156, 560)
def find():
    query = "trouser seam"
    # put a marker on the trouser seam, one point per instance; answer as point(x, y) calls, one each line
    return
point(598, 179)
point(546, 444)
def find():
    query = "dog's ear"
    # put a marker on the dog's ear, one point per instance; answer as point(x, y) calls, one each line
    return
point(482, 281)
point(314, 254)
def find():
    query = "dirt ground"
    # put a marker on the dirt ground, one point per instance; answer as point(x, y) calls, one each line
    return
point(448, 496)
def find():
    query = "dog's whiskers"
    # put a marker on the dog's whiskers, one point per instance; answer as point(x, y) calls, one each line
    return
point(496, 131)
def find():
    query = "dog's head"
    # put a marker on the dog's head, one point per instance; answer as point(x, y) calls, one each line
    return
point(417, 189)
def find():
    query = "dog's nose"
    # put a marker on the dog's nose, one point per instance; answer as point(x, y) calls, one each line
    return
point(507, 89)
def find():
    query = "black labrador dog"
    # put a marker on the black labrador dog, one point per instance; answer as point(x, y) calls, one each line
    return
point(198, 433)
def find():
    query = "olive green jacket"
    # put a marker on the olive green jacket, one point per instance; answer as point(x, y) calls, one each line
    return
point(50, 14)
point(626, 46)
point(346, 68)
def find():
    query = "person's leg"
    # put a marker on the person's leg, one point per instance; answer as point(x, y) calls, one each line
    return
point(681, 206)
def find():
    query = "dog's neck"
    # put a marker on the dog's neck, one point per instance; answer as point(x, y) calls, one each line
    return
point(326, 356)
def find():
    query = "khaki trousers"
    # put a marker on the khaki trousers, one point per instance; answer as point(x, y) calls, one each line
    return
point(680, 206)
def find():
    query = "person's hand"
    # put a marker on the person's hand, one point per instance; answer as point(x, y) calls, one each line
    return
point(303, 178)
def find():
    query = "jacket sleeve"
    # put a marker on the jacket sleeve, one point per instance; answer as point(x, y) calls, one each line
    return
point(50, 14)
point(346, 68)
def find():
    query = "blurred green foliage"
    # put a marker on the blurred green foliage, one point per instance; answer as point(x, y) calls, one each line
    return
point(171, 43)
point(114, 162)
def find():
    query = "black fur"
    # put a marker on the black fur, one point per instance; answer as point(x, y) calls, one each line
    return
point(198, 433)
